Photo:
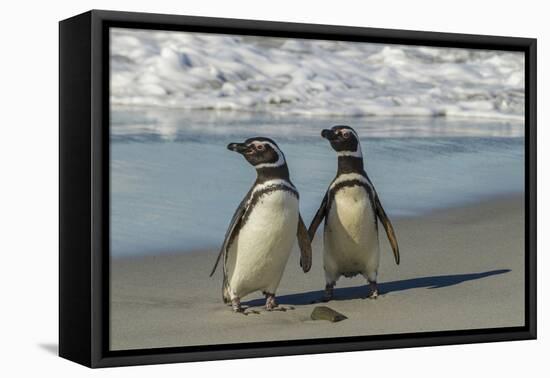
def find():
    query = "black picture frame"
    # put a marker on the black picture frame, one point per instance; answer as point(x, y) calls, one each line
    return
point(84, 188)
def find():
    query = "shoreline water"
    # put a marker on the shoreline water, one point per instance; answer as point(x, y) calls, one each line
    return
point(461, 268)
point(399, 218)
point(175, 185)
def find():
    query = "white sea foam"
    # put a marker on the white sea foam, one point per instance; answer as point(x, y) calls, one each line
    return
point(311, 77)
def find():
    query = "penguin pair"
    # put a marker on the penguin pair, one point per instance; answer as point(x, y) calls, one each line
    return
point(263, 229)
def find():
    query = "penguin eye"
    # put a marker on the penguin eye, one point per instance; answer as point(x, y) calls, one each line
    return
point(260, 147)
point(345, 134)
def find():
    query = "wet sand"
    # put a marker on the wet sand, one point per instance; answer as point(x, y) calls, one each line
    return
point(461, 268)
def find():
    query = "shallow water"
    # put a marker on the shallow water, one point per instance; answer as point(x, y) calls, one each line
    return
point(174, 185)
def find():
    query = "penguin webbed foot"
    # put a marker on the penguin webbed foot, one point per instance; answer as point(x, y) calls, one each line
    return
point(282, 308)
point(329, 292)
point(245, 311)
point(272, 305)
point(373, 290)
point(270, 302)
point(236, 306)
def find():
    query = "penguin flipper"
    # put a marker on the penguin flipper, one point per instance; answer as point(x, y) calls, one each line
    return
point(388, 227)
point(237, 216)
point(304, 244)
point(318, 218)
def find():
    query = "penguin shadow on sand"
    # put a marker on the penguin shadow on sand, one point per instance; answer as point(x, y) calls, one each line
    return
point(359, 292)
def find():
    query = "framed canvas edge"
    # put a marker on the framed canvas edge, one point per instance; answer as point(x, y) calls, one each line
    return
point(75, 273)
point(100, 356)
point(531, 186)
point(318, 347)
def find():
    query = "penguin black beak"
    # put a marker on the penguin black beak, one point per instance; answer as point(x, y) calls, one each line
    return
point(241, 148)
point(328, 134)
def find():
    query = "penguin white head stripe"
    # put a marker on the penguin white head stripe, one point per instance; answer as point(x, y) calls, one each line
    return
point(344, 140)
point(260, 152)
point(280, 157)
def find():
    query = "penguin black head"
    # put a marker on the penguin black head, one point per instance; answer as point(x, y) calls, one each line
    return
point(260, 152)
point(344, 140)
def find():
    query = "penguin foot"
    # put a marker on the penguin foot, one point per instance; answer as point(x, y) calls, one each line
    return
point(236, 305)
point(282, 308)
point(238, 309)
point(247, 312)
point(270, 302)
point(373, 290)
point(329, 292)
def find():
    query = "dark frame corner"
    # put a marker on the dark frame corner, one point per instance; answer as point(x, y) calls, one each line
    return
point(84, 187)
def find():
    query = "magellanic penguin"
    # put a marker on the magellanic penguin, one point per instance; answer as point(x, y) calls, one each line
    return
point(263, 229)
point(351, 209)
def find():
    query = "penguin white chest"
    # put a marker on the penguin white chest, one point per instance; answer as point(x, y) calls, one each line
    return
point(351, 235)
point(351, 212)
point(259, 253)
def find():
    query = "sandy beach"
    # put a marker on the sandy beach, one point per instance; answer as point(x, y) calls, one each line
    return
point(461, 268)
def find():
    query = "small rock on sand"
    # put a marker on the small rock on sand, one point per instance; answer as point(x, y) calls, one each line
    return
point(326, 313)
